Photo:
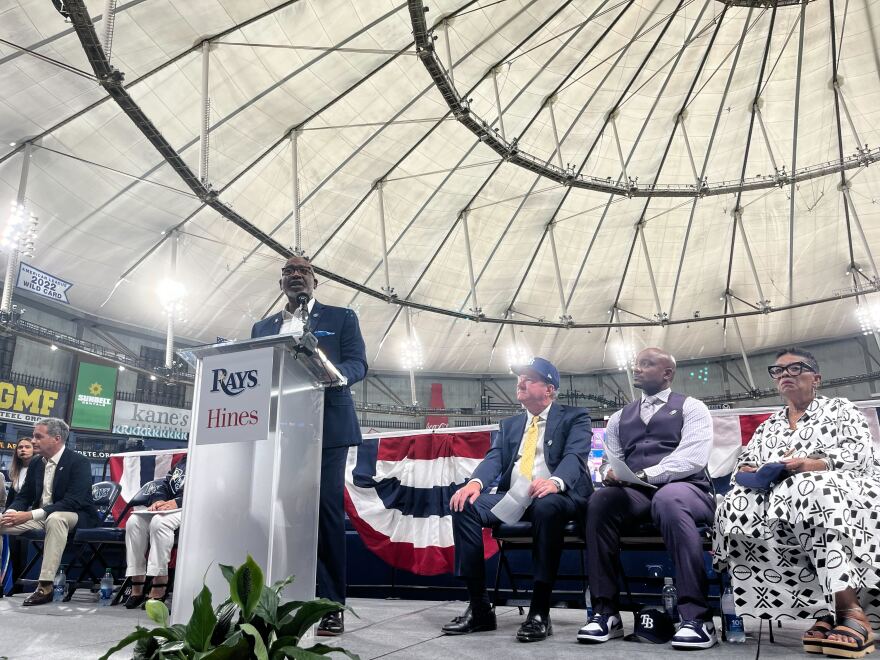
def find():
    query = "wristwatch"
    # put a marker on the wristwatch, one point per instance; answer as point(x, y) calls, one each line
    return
point(640, 474)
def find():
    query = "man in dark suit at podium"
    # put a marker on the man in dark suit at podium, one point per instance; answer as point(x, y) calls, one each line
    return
point(538, 458)
point(56, 497)
point(339, 337)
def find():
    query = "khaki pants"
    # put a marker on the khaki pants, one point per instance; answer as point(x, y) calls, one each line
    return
point(57, 526)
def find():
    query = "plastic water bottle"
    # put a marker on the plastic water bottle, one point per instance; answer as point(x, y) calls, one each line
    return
point(736, 632)
point(59, 586)
point(106, 593)
point(670, 599)
point(589, 601)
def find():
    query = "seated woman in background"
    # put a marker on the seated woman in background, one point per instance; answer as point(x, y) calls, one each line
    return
point(157, 532)
point(22, 456)
point(809, 545)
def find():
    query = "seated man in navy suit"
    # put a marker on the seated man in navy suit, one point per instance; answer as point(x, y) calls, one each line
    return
point(541, 452)
point(56, 496)
point(339, 337)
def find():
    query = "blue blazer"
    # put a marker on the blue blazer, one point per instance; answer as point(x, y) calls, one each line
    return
point(71, 488)
point(339, 337)
point(567, 444)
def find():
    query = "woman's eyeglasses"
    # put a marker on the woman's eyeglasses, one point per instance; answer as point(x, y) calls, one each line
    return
point(794, 369)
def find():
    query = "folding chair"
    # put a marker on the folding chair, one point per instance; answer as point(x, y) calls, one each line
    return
point(104, 494)
point(93, 540)
point(518, 536)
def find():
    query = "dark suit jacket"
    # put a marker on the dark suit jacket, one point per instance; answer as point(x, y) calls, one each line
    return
point(71, 488)
point(567, 444)
point(339, 337)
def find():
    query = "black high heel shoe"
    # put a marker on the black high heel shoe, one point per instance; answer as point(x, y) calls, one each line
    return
point(133, 602)
point(161, 598)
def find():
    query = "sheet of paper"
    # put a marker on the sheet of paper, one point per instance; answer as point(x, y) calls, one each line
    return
point(513, 505)
point(144, 512)
point(622, 471)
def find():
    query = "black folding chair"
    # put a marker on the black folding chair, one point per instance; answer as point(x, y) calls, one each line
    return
point(104, 494)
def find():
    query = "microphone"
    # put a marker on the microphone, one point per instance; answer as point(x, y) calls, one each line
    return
point(302, 299)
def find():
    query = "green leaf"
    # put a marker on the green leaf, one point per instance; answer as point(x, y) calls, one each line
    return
point(260, 652)
point(311, 653)
point(240, 650)
point(246, 587)
point(201, 625)
point(228, 573)
point(139, 633)
point(158, 612)
point(174, 645)
point(267, 608)
point(286, 608)
point(225, 613)
point(307, 615)
point(279, 586)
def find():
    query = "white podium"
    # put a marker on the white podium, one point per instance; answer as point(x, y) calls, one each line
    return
point(253, 466)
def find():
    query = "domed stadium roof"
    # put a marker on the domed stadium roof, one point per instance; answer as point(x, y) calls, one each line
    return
point(600, 175)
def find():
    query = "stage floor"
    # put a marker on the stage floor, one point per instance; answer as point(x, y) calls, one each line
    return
point(401, 629)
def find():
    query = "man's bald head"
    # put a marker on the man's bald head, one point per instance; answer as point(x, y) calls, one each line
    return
point(654, 370)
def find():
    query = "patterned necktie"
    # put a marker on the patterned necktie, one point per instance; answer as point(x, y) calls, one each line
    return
point(527, 460)
point(647, 411)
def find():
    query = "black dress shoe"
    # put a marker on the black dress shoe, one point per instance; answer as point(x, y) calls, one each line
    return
point(331, 625)
point(535, 628)
point(39, 597)
point(470, 623)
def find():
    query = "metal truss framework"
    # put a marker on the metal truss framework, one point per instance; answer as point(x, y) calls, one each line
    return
point(511, 153)
point(111, 80)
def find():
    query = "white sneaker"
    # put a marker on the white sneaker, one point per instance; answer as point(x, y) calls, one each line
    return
point(695, 634)
point(600, 628)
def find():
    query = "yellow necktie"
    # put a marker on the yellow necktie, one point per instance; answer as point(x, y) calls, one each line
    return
point(527, 461)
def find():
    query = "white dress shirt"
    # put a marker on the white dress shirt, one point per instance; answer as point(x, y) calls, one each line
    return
point(292, 323)
point(539, 468)
point(692, 453)
point(48, 478)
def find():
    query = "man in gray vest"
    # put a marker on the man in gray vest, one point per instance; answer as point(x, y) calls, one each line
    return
point(664, 439)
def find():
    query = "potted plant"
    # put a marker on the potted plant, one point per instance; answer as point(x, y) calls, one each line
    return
point(251, 623)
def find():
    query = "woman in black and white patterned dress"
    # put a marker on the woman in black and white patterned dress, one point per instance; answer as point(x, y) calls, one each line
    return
point(810, 546)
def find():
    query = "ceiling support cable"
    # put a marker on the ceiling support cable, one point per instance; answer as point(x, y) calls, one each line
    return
point(550, 103)
point(737, 205)
point(763, 303)
point(721, 106)
point(595, 142)
point(687, 143)
point(498, 103)
point(380, 197)
point(792, 193)
point(861, 148)
point(564, 318)
point(470, 263)
point(295, 193)
point(612, 199)
point(760, 116)
point(449, 68)
point(613, 118)
point(844, 185)
point(641, 231)
point(205, 123)
point(662, 317)
point(742, 346)
point(847, 198)
point(568, 131)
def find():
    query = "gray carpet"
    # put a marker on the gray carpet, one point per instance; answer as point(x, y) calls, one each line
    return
point(397, 629)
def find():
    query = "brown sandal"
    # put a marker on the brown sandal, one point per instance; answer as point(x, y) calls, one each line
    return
point(814, 637)
point(860, 640)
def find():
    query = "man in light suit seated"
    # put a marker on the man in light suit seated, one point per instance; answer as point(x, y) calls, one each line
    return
point(542, 452)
